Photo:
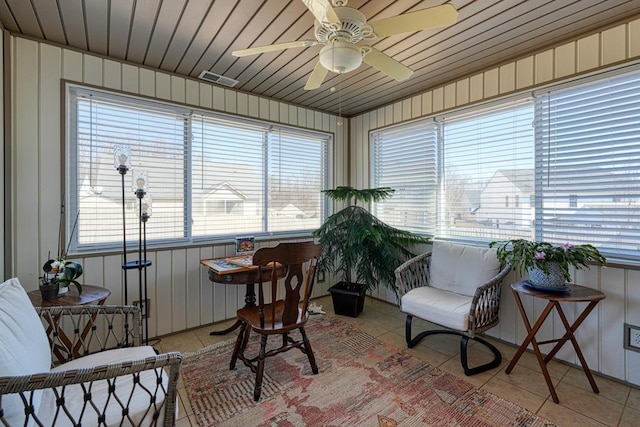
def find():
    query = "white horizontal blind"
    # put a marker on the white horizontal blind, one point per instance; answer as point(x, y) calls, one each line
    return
point(249, 178)
point(487, 173)
point(588, 158)
point(296, 176)
point(209, 175)
point(404, 158)
point(156, 137)
point(227, 181)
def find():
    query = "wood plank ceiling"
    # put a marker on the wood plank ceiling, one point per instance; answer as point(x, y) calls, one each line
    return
point(188, 36)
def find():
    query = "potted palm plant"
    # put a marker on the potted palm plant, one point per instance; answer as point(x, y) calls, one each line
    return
point(357, 245)
point(547, 264)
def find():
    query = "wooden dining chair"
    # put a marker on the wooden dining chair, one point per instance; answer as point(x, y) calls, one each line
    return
point(273, 316)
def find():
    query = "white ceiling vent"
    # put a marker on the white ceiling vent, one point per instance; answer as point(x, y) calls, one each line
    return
point(217, 78)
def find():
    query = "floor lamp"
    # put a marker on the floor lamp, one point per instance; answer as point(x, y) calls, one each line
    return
point(140, 183)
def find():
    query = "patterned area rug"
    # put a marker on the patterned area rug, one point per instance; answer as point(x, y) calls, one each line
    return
point(362, 382)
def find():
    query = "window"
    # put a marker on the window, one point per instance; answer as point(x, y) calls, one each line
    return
point(404, 159)
point(573, 200)
point(487, 162)
point(571, 153)
point(587, 140)
point(485, 157)
point(210, 175)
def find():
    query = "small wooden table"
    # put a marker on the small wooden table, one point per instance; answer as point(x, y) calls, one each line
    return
point(242, 276)
point(576, 294)
point(91, 295)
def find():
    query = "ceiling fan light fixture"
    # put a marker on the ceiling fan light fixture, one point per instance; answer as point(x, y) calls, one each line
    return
point(340, 57)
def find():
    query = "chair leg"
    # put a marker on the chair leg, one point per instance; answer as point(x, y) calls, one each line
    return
point(407, 332)
point(260, 370)
point(245, 339)
point(307, 349)
point(237, 346)
point(497, 357)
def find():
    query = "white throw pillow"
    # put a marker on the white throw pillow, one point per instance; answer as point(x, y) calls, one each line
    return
point(461, 269)
point(24, 346)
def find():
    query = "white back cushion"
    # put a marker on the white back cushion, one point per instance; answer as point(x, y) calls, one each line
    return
point(24, 347)
point(461, 269)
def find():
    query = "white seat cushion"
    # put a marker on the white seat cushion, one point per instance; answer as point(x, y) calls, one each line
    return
point(461, 269)
point(74, 395)
point(24, 347)
point(444, 308)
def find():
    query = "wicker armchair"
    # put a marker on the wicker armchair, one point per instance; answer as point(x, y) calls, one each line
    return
point(457, 287)
point(108, 377)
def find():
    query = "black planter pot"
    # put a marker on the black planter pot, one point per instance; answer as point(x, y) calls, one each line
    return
point(348, 298)
point(49, 291)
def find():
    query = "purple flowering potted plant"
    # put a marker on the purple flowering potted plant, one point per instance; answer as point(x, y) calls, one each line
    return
point(547, 264)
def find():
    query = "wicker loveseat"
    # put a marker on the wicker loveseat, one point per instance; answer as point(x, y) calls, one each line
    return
point(116, 381)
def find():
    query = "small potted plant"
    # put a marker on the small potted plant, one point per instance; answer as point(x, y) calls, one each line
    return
point(357, 244)
point(547, 264)
point(58, 272)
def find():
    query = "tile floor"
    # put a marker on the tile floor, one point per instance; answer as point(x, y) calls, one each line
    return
point(616, 405)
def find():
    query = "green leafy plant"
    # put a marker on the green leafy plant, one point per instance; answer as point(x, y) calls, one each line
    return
point(61, 271)
point(355, 242)
point(524, 254)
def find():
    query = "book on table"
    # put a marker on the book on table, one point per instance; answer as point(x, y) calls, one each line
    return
point(245, 260)
point(228, 265)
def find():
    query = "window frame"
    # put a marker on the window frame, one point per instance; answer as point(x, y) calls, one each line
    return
point(73, 91)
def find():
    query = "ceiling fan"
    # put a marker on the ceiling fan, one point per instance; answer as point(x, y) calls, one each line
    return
point(339, 28)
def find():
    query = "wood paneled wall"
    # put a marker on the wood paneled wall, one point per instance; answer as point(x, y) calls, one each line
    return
point(601, 335)
point(181, 295)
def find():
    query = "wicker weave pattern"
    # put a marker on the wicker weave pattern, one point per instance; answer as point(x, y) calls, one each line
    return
point(108, 327)
point(485, 307)
point(414, 273)
point(104, 327)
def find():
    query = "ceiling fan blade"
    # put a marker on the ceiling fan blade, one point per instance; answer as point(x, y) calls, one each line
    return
point(322, 10)
point(316, 77)
point(387, 65)
point(433, 17)
point(274, 47)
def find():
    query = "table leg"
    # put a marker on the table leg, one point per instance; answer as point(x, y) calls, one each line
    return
point(85, 331)
point(60, 351)
point(236, 325)
point(250, 296)
point(532, 331)
point(569, 335)
point(249, 301)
